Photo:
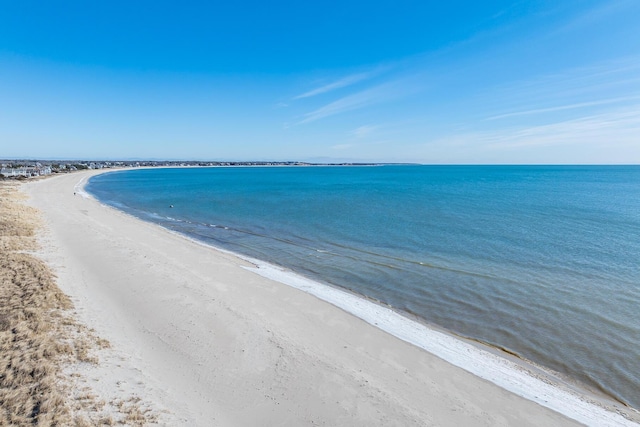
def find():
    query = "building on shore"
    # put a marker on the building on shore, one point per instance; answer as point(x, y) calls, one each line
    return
point(25, 171)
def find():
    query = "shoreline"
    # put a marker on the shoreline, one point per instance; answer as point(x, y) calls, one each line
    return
point(447, 345)
point(507, 374)
point(507, 370)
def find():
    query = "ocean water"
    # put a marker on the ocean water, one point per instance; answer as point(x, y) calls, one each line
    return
point(543, 261)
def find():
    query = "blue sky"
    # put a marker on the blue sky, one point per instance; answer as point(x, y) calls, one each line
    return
point(403, 81)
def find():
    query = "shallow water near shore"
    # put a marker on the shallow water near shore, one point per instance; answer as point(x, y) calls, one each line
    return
point(542, 261)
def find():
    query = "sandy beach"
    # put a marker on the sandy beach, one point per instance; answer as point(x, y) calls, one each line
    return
point(210, 342)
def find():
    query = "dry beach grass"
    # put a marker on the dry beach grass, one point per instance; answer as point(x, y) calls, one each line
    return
point(39, 337)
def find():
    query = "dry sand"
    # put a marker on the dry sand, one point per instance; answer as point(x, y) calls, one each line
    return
point(212, 343)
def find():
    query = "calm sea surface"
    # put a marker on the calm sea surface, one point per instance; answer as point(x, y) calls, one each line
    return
point(541, 260)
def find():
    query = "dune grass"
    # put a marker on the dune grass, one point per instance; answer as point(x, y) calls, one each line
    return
point(39, 336)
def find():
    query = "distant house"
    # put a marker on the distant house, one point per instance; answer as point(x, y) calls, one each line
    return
point(13, 172)
point(26, 171)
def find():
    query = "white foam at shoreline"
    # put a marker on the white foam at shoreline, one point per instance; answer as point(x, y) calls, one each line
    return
point(79, 188)
point(482, 363)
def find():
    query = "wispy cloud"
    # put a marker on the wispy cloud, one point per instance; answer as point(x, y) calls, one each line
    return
point(363, 131)
point(615, 128)
point(386, 92)
point(338, 84)
point(618, 127)
point(549, 103)
point(565, 107)
point(594, 83)
point(347, 103)
point(597, 13)
point(600, 138)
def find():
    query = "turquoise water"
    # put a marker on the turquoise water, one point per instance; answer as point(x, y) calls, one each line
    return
point(541, 260)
